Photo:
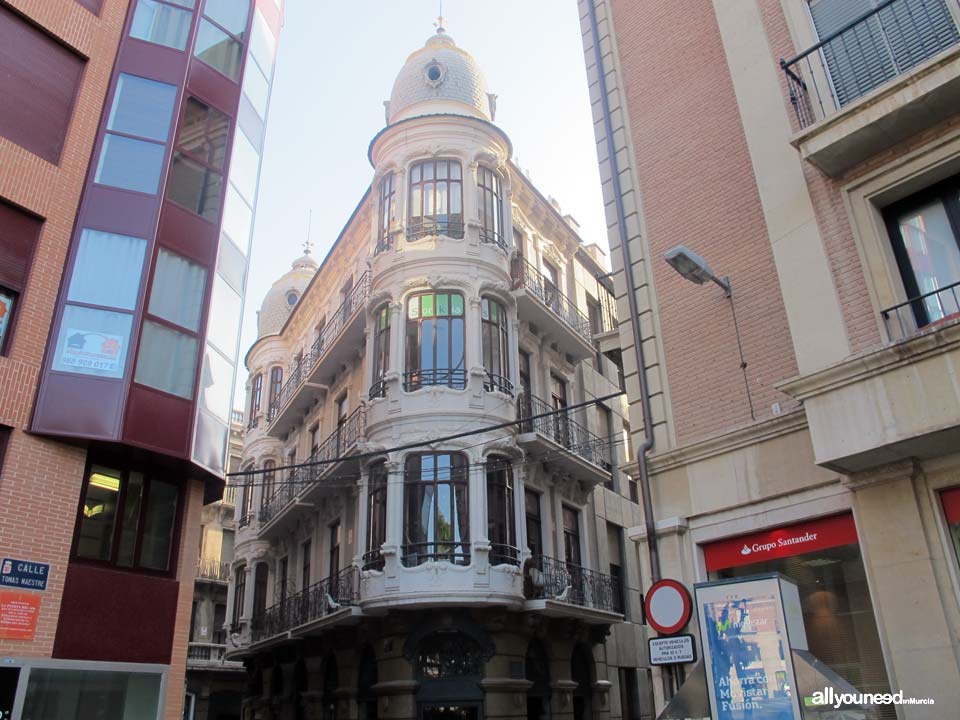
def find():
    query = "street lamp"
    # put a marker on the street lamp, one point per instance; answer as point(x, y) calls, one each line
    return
point(694, 268)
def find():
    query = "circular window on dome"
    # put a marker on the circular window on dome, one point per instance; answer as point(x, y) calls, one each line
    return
point(292, 298)
point(434, 73)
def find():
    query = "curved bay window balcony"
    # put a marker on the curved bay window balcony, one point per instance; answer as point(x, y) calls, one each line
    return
point(331, 601)
point(328, 469)
point(420, 229)
point(337, 341)
point(540, 302)
point(417, 379)
point(563, 589)
point(564, 439)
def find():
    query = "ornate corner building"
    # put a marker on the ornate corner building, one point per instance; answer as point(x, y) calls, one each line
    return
point(433, 517)
point(130, 140)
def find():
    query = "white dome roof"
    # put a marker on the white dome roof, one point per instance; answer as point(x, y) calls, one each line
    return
point(439, 78)
point(283, 296)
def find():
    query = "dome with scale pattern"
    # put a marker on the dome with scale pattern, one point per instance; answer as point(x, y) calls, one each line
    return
point(283, 296)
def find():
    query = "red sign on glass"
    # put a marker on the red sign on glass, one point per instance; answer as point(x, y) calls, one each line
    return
point(951, 505)
point(782, 542)
point(18, 614)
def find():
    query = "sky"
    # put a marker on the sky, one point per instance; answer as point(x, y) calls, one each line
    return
point(336, 65)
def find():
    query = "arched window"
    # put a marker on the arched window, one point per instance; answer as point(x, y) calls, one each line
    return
point(436, 509)
point(268, 486)
point(247, 500)
point(388, 213)
point(276, 384)
point(501, 514)
point(239, 591)
point(446, 655)
point(376, 515)
point(436, 199)
point(493, 327)
point(491, 207)
point(256, 389)
point(435, 341)
point(381, 350)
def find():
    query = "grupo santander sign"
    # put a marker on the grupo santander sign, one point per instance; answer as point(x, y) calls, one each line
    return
point(782, 542)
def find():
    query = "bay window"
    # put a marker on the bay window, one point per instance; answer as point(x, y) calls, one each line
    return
point(388, 212)
point(164, 22)
point(196, 172)
point(491, 207)
point(493, 324)
point(435, 341)
point(220, 35)
point(381, 350)
point(376, 515)
point(436, 199)
point(269, 482)
point(436, 509)
point(501, 518)
point(239, 591)
point(127, 519)
point(276, 385)
point(137, 130)
point(256, 389)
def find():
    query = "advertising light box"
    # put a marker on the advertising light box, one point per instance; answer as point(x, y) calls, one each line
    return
point(749, 627)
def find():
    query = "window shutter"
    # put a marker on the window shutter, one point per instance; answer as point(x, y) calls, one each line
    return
point(886, 44)
point(19, 233)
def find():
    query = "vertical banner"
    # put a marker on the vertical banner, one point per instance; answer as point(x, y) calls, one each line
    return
point(746, 632)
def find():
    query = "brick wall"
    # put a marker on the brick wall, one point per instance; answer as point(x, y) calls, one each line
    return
point(41, 478)
point(698, 189)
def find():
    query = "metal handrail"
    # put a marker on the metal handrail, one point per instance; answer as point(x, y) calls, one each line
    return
point(313, 603)
point(498, 383)
point(922, 307)
point(301, 478)
point(378, 389)
point(564, 430)
point(797, 88)
point(455, 378)
point(373, 560)
point(527, 277)
point(492, 237)
point(501, 554)
point(426, 228)
point(352, 304)
point(547, 578)
point(451, 551)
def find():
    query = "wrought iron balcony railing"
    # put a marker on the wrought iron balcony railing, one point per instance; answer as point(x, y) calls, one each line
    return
point(313, 603)
point(932, 308)
point(373, 560)
point(378, 389)
point(564, 430)
point(492, 237)
point(452, 378)
point(546, 578)
point(212, 569)
point(501, 554)
point(352, 304)
point(529, 278)
point(451, 551)
point(418, 229)
point(498, 383)
point(866, 53)
point(244, 520)
point(302, 478)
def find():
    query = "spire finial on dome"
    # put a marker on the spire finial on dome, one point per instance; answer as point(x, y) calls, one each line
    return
point(441, 29)
point(308, 243)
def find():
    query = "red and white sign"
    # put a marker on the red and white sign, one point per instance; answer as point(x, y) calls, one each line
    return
point(668, 607)
point(781, 542)
point(18, 614)
point(951, 505)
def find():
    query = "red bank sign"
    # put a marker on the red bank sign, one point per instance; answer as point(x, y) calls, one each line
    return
point(781, 542)
point(951, 505)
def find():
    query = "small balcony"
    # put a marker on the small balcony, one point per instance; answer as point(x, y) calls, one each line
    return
point(336, 344)
point(877, 80)
point(210, 656)
point(430, 227)
point(332, 601)
point(564, 441)
point(541, 303)
point(561, 589)
point(212, 570)
point(324, 472)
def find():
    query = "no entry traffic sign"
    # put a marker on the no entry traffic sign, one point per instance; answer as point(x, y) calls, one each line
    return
point(668, 607)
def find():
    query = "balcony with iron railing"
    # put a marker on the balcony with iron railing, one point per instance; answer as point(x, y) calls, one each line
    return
point(884, 76)
point(563, 589)
point(329, 601)
point(564, 440)
point(334, 346)
point(927, 311)
point(541, 303)
point(324, 471)
point(213, 570)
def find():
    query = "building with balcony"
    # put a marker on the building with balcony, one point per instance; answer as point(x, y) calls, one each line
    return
point(130, 141)
point(433, 517)
point(810, 152)
point(215, 684)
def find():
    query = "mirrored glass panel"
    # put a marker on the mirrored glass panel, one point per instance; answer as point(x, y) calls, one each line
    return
point(218, 50)
point(263, 44)
point(107, 269)
point(256, 88)
point(237, 219)
point(67, 694)
point(223, 327)
point(158, 525)
point(216, 380)
point(244, 166)
point(142, 107)
point(231, 15)
point(167, 360)
point(195, 187)
point(160, 23)
point(177, 292)
point(130, 164)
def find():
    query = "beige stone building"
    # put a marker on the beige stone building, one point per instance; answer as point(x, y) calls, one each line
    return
point(433, 522)
point(809, 151)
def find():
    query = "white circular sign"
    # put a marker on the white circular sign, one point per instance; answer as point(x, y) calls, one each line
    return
point(668, 606)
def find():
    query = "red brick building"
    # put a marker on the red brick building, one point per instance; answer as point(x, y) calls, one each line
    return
point(130, 141)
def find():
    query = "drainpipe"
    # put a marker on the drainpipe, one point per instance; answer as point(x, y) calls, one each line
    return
point(646, 498)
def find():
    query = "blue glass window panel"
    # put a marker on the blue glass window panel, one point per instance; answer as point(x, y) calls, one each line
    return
point(161, 24)
point(142, 107)
point(107, 270)
point(130, 164)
